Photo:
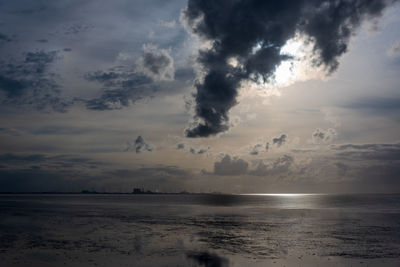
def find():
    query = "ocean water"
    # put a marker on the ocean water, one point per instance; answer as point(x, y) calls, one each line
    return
point(200, 230)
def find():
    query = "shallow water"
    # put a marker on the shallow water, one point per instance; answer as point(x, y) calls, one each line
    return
point(200, 230)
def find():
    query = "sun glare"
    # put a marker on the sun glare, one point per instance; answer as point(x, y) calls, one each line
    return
point(281, 195)
point(288, 71)
point(298, 68)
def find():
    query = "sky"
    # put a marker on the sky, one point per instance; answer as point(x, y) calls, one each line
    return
point(225, 96)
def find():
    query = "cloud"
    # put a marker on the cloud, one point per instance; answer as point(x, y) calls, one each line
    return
point(31, 83)
point(228, 166)
point(122, 88)
point(278, 166)
point(168, 24)
point(139, 146)
point(156, 63)
point(395, 49)
point(255, 42)
point(279, 140)
point(257, 148)
point(192, 150)
point(199, 151)
point(369, 152)
point(10, 158)
point(66, 173)
point(49, 162)
point(342, 168)
point(323, 136)
point(208, 259)
point(376, 105)
point(5, 38)
point(180, 146)
point(235, 166)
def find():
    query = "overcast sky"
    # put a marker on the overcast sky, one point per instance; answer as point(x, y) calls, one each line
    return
point(230, 96)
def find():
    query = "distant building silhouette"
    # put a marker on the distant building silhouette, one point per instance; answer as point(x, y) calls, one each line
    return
point(137, 191)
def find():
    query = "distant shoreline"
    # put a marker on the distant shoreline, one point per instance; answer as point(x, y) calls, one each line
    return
point(188, 193)
point(107, 193)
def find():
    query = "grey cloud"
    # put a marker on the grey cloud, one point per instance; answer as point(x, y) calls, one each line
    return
point(395, 49)
point(180, 146)
point(376, 105)
point(62, 130)
point(139, 146)
point(202, 150)
point(255, 42)
point(192, 150)
point(256, 149)
point(208, 259)
point(279, 166)
point(342, 168)
point(123, 86)
point(10, 158)
point(31, 83)
point(77, 28)
point(230, 166)
point(235, 166)
point(199, 151)
point(5, 38)
point(324, 136)
point(156, 64)
point(375, 152)
point(279, 140)
point(10, 131)
point(372, 147)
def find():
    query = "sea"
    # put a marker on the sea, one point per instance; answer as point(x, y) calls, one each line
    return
point(199, 230)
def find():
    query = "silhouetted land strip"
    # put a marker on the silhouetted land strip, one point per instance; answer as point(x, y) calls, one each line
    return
point(87, 192)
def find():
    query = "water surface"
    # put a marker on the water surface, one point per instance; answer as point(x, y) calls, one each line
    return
point(200, 230)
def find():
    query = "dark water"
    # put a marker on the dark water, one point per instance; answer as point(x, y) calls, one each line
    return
point(199, 230)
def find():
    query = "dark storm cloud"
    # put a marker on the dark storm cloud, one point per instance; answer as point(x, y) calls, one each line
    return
point(230, 166)
point(31, 83)
point(280, 140)
point(139, 146)
point(253, 32)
